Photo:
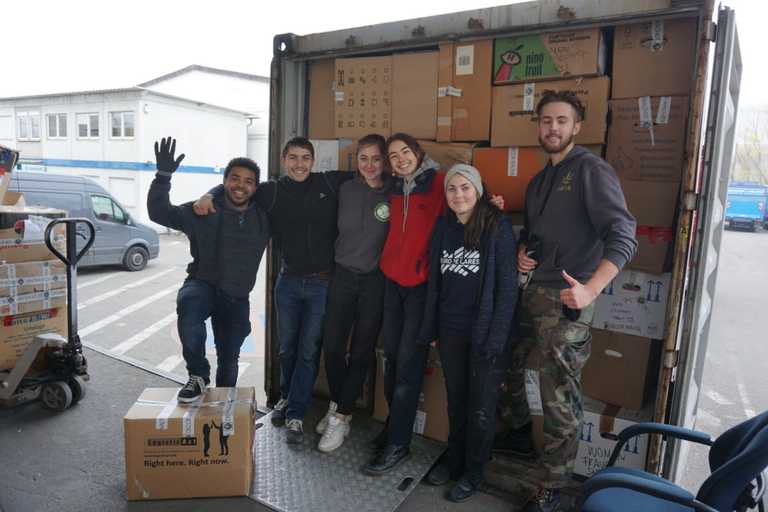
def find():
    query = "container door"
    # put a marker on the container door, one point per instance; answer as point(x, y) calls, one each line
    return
point(717, 157)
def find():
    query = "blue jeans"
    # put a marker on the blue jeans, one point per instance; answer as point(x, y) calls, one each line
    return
point(230, 318)
point(300, 310)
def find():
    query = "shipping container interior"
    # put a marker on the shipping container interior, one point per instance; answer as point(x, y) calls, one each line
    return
point(466, 85)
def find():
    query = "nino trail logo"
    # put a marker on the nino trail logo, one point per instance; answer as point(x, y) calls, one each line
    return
point(461, 262)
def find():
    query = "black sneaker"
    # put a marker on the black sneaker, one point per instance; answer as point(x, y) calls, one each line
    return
point(548, 500)
point(295, 433)
point(465, 488)
point(387, 459)
point(278, 412)
point(192, 390)
point(517, 442)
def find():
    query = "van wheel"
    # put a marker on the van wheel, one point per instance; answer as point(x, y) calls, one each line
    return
point(136, 258)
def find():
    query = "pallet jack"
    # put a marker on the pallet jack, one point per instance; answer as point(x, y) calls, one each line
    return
point(62, 382)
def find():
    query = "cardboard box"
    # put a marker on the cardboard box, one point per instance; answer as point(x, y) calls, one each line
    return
point(18, 331)
point(432, 414)
point(321, 99)
point(414, 94)
point(22, 230)
point(621, 369)
point(654, 58)
point(552, 55)
point(634, 303)
point(348, 155)
point(599, 427)
point(8, 159)
point(363, 97)
point(646, 139)
point(30, 277)
point(514, 118)
point(507, 171)
point(444, 85)
point(448, 154)
point(654, 205)
point(177, 450)
point(471, 108)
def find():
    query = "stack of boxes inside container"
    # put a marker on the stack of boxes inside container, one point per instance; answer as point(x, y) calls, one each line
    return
point(33, 297)
point(474, 102)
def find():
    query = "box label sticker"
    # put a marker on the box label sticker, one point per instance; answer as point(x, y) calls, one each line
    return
point(512, 154)
point(657, 35)
point(533, 392)
point(339, 95)
point(453, 91)
point(529, 91)
point(646, 115)
point(188, 422)
point(442, 92)
point(465, 60)
point(228, 417)
point(665, 105)
point(420, 422)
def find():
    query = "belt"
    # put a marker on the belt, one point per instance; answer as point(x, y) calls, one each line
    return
point(325, 276)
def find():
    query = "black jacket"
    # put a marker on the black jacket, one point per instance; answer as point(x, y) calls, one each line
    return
point(495, 324)
point(226, 246)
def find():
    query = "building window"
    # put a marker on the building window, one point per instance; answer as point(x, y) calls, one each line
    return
point(57, 126)
point(29, 125)
point(123, 125)
point(88, 126)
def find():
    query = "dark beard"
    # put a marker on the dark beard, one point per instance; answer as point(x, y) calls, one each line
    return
point(557, 149)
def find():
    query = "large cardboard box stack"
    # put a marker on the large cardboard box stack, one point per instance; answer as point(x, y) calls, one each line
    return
point(414, 102)
point(432, 414)
point(322, 101)
point(32, 281)
point(174, 450)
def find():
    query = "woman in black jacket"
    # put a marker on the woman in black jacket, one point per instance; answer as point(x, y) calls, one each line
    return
point(471, 299)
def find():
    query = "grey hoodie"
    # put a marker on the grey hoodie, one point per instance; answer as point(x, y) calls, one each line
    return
point(409, 183)
point(585, 219)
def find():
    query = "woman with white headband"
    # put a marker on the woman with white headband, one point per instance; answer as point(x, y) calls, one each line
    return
point(471, 298)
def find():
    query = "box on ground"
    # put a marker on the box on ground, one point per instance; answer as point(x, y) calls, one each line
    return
point(654, 58)
point(321, 99)
point(8, 159)
point(550, 55)
point(634, 303)
point(600, 424)
point(514, 118)
point(188, 451)
point(646, 139)
point(621, 369)
point(18, 331)
point(414, 94)
point(464, 91)
point(363, 97)
point(432, 414)
point(507, 171)
point(448, 154)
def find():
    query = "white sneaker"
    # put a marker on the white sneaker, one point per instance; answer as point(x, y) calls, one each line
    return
point(323, 424)
point(337, 430)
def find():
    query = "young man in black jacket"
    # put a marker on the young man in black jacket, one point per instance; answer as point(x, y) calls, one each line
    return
point(578, 235)
point(226, 250)
point(302, 208)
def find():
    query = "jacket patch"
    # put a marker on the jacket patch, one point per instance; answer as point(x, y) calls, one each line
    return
point(381, 212)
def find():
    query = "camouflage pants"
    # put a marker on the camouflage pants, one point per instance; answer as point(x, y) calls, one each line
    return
point(549, 357)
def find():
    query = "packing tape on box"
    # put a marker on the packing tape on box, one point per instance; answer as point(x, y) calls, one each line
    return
point(655, 234)
point(46, 297)
point(665, 106)
point(608, 421)
point(512, 158)
point(13, 281)
point(228, 416)
point(339, 96)
point(533, 392)
point(188, 421)
point(444, 121)
point(449, 90)
point(646, 115)
point(657, 35)
point(161, 421)
point(529, 94)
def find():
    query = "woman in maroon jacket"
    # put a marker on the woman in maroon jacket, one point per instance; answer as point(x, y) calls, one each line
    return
point(418, 199)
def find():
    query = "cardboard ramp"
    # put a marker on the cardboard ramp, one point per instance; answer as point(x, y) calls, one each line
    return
point(290, 478)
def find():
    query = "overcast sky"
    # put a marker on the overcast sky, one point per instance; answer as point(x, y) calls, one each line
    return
point(60, 46)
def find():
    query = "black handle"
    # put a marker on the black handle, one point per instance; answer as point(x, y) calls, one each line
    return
point(71, 223)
